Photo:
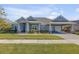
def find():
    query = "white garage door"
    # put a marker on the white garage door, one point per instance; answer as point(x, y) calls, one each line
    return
point(58, 28)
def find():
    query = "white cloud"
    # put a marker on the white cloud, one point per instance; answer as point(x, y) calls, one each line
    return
point(55, 14)
point(73, 18)
point(15, 13)
point(77, 9)
point(61, 12)
point(51, 17)
point(24, 12)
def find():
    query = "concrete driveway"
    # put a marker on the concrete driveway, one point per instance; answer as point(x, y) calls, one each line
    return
point(69, 36)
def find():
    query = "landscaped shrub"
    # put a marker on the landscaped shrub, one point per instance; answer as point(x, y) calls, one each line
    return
point(44, 31)
point(33, 31)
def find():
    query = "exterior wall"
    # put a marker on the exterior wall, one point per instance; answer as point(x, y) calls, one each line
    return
point(72, 28)
point(39, 27)
point(76, 27)
point(44, 27)
point(53, 28)
point(58, 28)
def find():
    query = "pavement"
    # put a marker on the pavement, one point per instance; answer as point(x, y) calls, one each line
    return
point(68, 39)
point(35, 41)
point(69, 36)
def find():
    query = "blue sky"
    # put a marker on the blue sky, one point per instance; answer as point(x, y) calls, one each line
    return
point(15, 11)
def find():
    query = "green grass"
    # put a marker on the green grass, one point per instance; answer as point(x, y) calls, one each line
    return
point(29, 36)
point(39, 49)
point(77, 33)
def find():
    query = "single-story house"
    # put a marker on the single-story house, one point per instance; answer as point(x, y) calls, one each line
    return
point(42, 24)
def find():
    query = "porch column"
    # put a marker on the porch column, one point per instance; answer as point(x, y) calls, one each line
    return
point(39, 28)
point(27, 27)
point(50, 28)
point(72, 28)
point(18, 28)
point(61, 27)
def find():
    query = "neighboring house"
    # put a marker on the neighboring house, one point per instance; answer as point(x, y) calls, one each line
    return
point(41, 24)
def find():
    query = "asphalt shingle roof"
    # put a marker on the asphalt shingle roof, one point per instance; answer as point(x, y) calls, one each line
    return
point(42, 18)
point(60, 19)
point(21, 19)
point(77, 21)
point(30, 18)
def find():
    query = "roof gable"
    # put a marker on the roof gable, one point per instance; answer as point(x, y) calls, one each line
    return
point(22, 19)
point(30, 18)
point(60, 19)
point(42, 18)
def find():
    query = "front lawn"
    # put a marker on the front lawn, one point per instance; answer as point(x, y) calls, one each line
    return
point(39, 49)
point(29, 36)
point(77, 33)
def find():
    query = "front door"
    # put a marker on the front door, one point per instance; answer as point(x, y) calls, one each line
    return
point(23, 27)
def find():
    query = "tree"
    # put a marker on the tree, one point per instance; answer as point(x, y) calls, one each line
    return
point(4, 25)
point(2, 12)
